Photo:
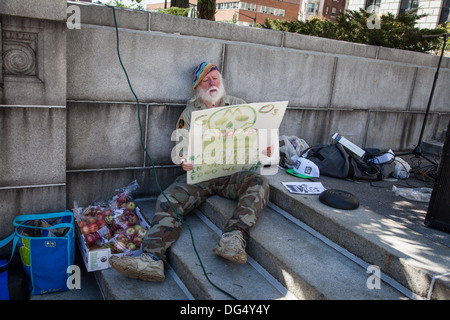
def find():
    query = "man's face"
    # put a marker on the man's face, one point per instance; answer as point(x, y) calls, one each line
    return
point(211, 87)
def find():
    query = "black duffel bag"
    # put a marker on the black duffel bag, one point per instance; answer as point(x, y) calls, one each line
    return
point(334, 161)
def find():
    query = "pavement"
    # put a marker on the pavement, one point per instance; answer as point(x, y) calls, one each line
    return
point(386, 230)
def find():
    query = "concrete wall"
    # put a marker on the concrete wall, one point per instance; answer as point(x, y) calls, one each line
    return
point(68, 121)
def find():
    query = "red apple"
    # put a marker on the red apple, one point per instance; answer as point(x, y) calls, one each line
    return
point(109, 219)
point(123, 238)
point(141, 233)
point(93, 227)
point(88, 212)
point(131, 246)
point(101, 223)
point(130, 232)
point(132, 218)
point(85, 229)
point(81, 224)
point(119, 246)
point(131, 206)
point(124, 216)
point(91, 220)
point(127, 224)
point(91, 239)
point(137, 241)
point(122, 197)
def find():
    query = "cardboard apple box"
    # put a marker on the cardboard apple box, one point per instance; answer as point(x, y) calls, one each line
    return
point(98, 258)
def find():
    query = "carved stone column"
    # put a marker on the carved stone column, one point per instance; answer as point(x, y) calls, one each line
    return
point(1, 63)
point(19, 53)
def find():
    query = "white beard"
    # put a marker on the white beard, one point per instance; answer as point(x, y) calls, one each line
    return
point(210, 95)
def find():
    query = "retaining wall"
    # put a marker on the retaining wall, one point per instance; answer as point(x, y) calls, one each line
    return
point(68, 120)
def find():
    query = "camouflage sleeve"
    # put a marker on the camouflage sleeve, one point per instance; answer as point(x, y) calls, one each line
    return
point(181, 135)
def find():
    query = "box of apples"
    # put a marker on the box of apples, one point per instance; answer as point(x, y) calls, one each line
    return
point(115, 229)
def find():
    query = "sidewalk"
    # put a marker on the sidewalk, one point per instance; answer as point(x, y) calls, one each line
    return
point(379, 197)
point(386, 230)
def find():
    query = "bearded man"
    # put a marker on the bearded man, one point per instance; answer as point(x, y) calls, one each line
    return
point(251, 191)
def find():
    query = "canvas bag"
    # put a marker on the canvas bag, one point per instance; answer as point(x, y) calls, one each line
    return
point(332, 160)
point(47, 248)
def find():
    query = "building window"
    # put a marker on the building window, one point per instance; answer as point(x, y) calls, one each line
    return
point(406, 5)
point(333, 12)
point(445, 13)
point(376, 3)
point(311, 7)
point(270, 10)
point(227, 5)
point(247, 6)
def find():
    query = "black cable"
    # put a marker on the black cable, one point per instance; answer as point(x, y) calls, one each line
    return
point(151, 161)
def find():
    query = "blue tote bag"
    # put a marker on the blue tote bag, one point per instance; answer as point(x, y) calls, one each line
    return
point(47, 248)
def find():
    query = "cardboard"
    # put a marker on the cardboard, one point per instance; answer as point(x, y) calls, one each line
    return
point(98, 258)
point(229, 139)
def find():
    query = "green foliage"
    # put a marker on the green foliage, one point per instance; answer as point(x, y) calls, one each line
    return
point(175, 11)
point(122, 4)
point(206, 9)
point(136, 4)
point(393, 32)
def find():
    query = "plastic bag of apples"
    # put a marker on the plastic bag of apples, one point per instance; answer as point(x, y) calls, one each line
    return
point(114, 225)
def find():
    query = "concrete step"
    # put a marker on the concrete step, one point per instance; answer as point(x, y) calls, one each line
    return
point(432, 147)
point(409, 257)
point(303, 263)
point(299, 249)
point(186, 280)
point(117, 287)
point(241, 281)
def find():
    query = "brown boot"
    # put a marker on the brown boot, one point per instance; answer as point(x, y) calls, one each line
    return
point(143, 267)
point(232, 247)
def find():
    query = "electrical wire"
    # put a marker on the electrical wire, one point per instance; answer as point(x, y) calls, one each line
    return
point(153, 166)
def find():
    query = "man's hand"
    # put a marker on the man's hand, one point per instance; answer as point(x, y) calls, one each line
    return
point(268, 151)
point(187, 166)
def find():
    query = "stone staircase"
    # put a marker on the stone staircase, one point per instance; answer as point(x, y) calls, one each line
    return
point(299, 249)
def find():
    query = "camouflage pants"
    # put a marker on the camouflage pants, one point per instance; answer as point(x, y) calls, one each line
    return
point(249, 189)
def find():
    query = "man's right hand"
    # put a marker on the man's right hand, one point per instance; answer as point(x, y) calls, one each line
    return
point(187, 166)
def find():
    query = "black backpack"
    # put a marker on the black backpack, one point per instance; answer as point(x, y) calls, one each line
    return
point(334, 161)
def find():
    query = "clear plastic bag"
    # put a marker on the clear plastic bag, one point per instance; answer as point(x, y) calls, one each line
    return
point(415, 194)
point(402, 168)
point(291, 147)
point(105, 225)
point(124, 195)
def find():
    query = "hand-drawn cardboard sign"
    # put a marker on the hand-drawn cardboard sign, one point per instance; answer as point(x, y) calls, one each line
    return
point(229, 139)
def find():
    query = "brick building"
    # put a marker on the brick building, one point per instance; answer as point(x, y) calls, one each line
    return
point(249, 11)
point(332, 8)
point(328, 9)
point(438, 11)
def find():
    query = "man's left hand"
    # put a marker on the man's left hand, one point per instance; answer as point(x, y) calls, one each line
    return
point(268, 152)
